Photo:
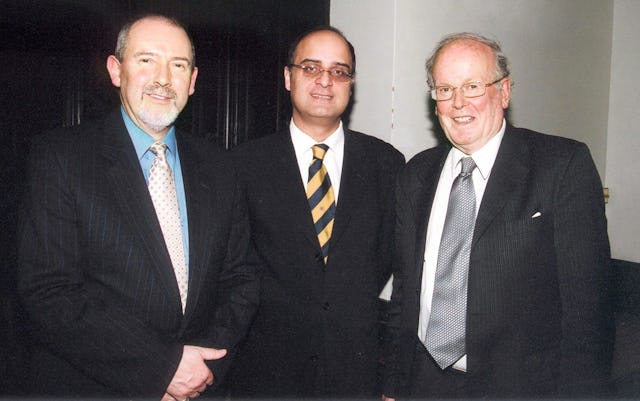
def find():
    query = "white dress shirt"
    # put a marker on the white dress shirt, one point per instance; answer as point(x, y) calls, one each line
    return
point(484, 159)
point(302, 144)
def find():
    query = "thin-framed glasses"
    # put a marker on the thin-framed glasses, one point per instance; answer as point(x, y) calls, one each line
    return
point(469, 89)
point(337, 73)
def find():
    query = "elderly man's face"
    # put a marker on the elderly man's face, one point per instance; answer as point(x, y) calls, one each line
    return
point(155, 75)
point(469, 123)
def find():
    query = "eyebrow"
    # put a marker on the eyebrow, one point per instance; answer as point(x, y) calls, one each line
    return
point(156, 54)
point(309, 60)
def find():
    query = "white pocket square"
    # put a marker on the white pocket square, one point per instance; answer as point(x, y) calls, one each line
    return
point(536, 214)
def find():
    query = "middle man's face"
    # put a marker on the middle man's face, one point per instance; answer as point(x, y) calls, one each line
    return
point(321, 99)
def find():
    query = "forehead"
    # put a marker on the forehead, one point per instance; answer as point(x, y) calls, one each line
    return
point(157, 35)
point(464, 60)
point(325, 46)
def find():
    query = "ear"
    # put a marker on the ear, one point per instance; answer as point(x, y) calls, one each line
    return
point(113, 66)
point(505, 93)
point(192, 85)
point(287, 78)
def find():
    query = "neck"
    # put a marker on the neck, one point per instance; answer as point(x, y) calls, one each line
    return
point(319, 131)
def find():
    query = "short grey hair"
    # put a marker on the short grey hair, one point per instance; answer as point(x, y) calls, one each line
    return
point(123, 35)
point(501, 62)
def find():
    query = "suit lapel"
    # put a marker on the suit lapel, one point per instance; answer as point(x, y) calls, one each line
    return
point(422, 202)
point(509, 169)
point(352, 183)
point(200, 208)
point(287, 181)
point(124, 177)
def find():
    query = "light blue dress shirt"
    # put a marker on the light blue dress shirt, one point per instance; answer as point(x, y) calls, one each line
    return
point(141, 142)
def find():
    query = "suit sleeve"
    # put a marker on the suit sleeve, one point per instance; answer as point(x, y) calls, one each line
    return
point(238, 288)
point(583, 260)
point(71, 317)
point(399, 341)
point(391, 168)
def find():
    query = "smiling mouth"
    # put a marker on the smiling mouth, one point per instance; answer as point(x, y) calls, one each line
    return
point(463, 119)
point(321, 97)
point(159, 97)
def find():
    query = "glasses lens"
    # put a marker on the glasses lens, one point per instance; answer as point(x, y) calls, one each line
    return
point(442, 93)
point(473, 89)
point(340, 74)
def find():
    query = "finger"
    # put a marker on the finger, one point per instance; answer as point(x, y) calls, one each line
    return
point(209, 380)
point(210, 354)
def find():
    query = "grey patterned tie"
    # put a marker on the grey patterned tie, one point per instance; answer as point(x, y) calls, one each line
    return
point(165, 200)
point(445, 339)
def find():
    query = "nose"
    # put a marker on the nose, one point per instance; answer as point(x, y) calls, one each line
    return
point(324, 79)
point(163, 75)
point(458, 99)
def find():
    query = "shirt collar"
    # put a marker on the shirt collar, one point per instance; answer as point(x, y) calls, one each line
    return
point(484, 157)
point(303, 142)
point(142, 141)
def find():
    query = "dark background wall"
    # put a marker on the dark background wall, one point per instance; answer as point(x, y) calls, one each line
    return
point(53, 74)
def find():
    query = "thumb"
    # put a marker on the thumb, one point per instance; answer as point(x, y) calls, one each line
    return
point(209, 354)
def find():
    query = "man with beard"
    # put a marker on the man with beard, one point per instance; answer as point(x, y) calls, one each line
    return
point(133, 239)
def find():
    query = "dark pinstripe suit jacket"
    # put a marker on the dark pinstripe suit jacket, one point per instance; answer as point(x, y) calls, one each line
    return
point(538, 320)
point(316, 330)
point(95, 275)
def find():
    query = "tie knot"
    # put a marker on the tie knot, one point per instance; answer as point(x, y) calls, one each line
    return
point(158, 148)
point(319, 150)
point(467, 166)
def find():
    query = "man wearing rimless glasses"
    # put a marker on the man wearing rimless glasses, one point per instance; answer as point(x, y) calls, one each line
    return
point(502, 257)
point(321, 212)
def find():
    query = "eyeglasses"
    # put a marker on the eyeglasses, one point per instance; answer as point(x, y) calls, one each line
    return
point(338, 74)
point(470, 89)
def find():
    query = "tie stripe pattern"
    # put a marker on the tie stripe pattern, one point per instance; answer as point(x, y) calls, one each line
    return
point(165, 201)
point(321, 198)
point(447, 323)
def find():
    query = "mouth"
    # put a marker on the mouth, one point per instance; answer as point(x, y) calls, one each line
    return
point(463, 119)
point(160, 94)
point(320, 96)
point(161, 98)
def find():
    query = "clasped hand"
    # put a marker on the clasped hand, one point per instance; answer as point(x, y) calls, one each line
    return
point(193, 375)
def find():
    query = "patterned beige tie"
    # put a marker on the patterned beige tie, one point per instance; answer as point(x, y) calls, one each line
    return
point(165, 200)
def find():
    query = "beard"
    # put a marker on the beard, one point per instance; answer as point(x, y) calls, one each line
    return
point(159, 120)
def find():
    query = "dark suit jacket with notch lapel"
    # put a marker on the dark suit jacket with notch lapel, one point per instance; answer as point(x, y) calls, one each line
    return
point(316, 331)
point(95, 274)
point(538, 322)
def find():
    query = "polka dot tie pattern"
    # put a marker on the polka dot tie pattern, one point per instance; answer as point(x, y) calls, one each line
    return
point(445, 339)
point(165, 201)
point(321, 198)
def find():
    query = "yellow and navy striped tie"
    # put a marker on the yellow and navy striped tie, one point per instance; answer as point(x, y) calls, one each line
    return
point(321, 198)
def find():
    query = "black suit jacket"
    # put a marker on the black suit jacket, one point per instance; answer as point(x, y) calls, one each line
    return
point(538, 319)
point(95, 274)
point(316, 331)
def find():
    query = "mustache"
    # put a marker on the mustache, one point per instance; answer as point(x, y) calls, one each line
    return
point(160, 91)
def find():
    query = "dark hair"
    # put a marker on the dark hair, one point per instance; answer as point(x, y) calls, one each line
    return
point(501, 62)
point(123, 35)
point(294, 45)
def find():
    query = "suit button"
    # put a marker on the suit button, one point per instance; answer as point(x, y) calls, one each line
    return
point(319, 257)
point(326, 306)
point(314, 358)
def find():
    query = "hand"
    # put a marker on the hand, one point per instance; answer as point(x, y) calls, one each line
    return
point(193, 376)
point(385, 398)
point(167, 397)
